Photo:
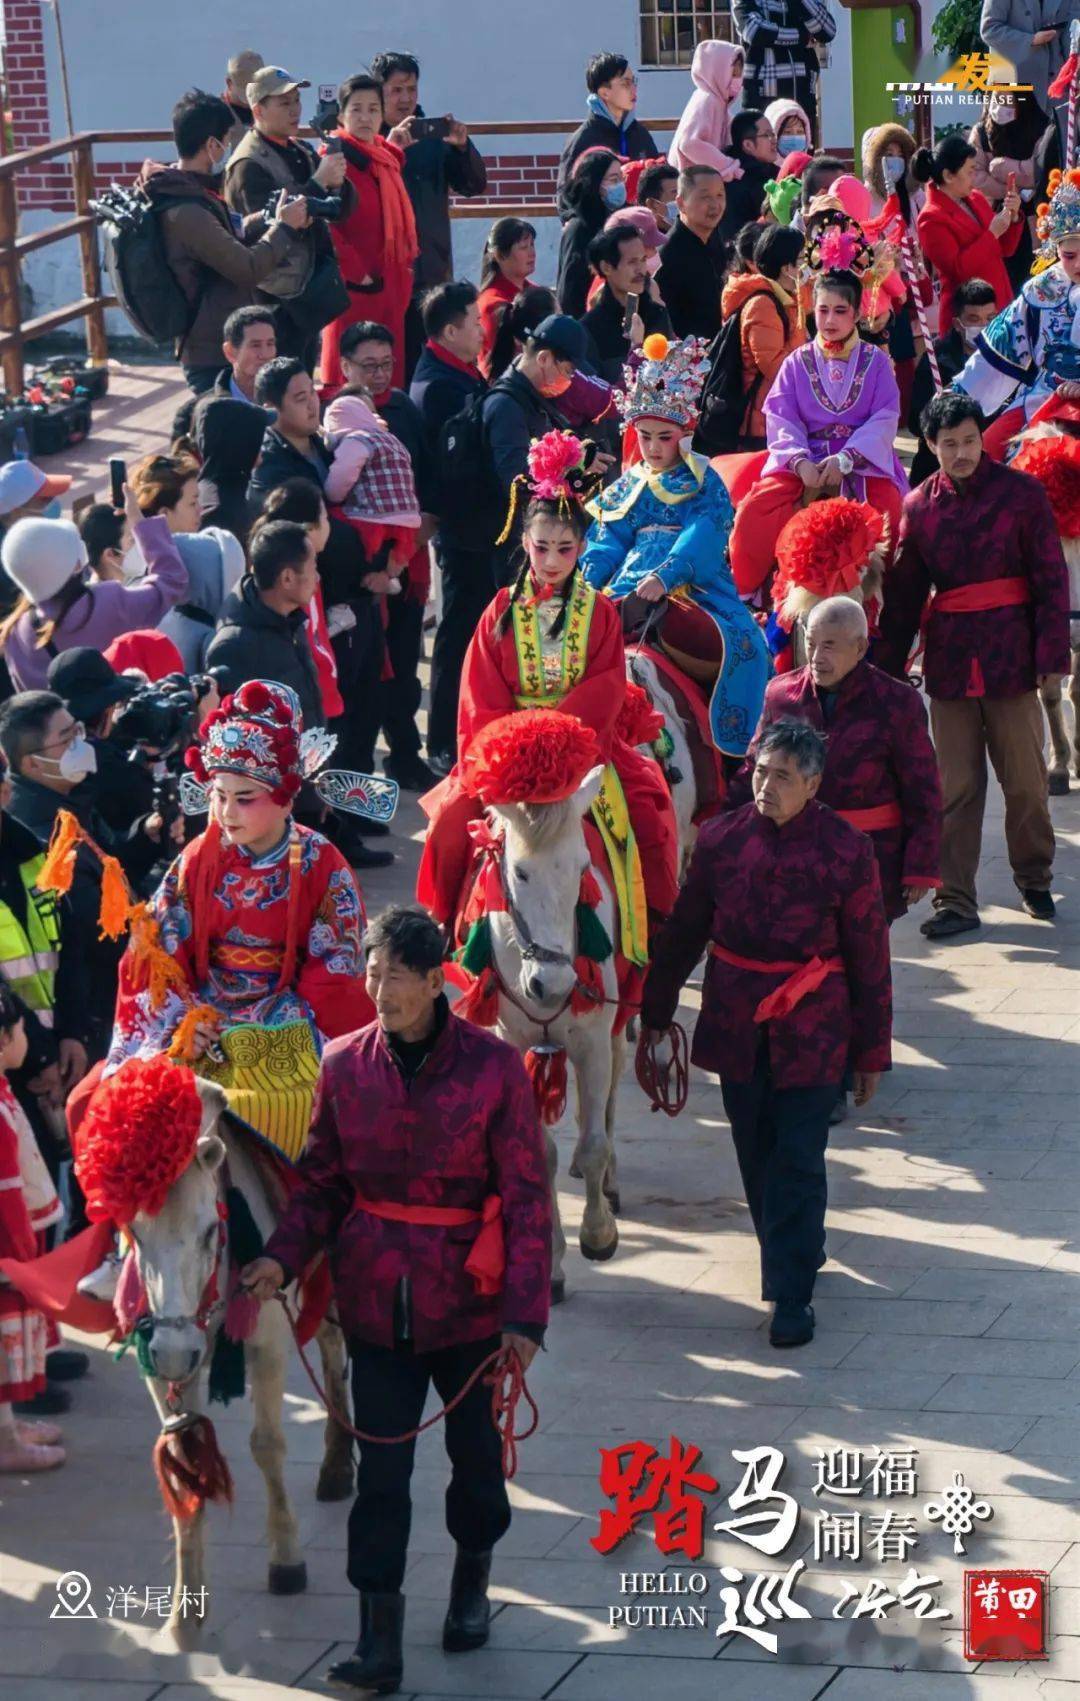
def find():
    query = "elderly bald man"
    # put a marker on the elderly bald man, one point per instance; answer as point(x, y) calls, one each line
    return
point(881, 773)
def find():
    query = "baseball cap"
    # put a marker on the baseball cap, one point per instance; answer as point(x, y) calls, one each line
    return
point(563, 336)
point(21, 481)
point(272, 80)
point(87, 682)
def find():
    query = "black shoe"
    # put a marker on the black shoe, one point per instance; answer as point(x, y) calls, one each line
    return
point(1039, 904)
point(369, 829)
point(440, 762)
point(66, 1364)
point(49, 1403)
point(943, 924)
point(792, 1325)
point(360, 857)
point(414, 775)
point(376, 1664)
point(468, 1617)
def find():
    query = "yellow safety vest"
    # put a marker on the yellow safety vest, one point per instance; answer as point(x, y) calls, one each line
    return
point(29, 956)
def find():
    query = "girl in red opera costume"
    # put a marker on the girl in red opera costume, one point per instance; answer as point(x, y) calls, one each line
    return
point(551, 641)
point(28, 1206)
point(376, 245)
point(249, 954)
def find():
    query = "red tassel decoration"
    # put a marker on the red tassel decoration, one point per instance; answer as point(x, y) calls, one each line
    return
point(545, 1066)
point(191, 1469)
point(589, 891)
point(588, 994)
point(480, 1004)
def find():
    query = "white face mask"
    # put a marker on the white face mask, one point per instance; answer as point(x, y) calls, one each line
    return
point(894, 168)
point(671, 211)
point(218, 166)
point(969, 332)
point(76, 762)
point(1003, 112)
point(133, 566)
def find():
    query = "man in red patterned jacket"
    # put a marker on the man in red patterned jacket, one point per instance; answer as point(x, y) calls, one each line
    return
point(425, 1175)
point(881, 773)
point(982, 538)
point(787, 899)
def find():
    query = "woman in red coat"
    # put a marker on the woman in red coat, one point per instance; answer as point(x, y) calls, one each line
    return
point(959, 232)
point(505, 270)
point(376, 245)
point(551, 641)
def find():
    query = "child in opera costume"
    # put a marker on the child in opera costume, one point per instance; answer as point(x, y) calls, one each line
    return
point(28, 1206)
point(830, 420)
point(661, 532)
point(551, 641)
point(1029, 356)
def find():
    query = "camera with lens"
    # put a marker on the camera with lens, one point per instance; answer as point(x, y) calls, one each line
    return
point(319, 205)
point(156, 725)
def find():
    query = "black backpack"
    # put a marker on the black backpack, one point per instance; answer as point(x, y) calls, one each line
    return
point(134, 251)
point(724, 402)
point(472, 501)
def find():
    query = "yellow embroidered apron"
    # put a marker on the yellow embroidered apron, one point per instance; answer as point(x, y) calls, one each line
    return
point(268, 1077)
point(548, 668)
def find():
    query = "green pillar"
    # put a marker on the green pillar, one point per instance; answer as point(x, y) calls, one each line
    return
point(877, 59)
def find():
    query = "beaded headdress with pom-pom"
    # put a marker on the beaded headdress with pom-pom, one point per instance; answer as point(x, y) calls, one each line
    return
point(1060, 216)
point(667, 383)
point(558, 471)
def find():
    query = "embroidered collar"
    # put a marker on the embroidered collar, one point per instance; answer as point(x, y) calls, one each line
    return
point(680, 483)
point(838, 351)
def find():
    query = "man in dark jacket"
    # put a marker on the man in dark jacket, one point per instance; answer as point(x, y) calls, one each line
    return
point(612, 88)
point(618, 256)
point(520, 407)
point(421, 1119)
point(367, 357)
point(271, 159)
point(445, 382)
point(262, 633)
point(753, 144)
point(249, 341)
point(213, 257)
point(436, 167)
point(693, 260)
point(92, 690)
point(294, 446)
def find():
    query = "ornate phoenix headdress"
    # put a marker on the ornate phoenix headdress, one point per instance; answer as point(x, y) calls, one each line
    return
point(257, 732)
point(1060, 216)
point(558, 472)
point(667, 384)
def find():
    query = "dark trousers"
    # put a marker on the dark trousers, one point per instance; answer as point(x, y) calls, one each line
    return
point(414, 337)
point(467, 588)
point(780, 1135)
point(389, 1386)
point(359, 655)
point(292, 340)
point(401, 695)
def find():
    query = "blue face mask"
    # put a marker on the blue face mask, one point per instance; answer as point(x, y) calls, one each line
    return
point(792, 145)
point(614, 196)
point(52, 510)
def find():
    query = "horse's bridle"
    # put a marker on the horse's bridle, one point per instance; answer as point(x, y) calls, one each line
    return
point(212, 1303)
point(531, 952)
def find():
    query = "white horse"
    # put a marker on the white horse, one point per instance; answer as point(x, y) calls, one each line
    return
point(678, 768)
point(176, 1252)
point(534, 945)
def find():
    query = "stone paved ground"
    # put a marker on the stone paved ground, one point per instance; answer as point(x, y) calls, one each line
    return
point(948, 1322)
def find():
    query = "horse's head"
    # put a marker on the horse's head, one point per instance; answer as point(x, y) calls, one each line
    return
point(545, 855)
point(178, 1250)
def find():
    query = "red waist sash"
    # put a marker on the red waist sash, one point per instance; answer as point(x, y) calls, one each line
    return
point(486, 1262)
point(802, 978)
point(977, 599)
point(873, 819)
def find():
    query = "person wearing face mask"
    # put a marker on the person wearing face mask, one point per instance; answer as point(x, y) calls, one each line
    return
point(596, 190)
point(655, 188)
point(60, 607)
point(792, 126)
point(611, 125)
point(974, 310)
point(217, 259)
point(1015, 141)
point(766, 301)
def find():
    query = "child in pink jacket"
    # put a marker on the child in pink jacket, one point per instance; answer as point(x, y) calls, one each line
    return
point(704, 129)
point(371, 478)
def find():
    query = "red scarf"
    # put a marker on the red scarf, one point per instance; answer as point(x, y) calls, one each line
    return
point(444, 354)
point(384, 158)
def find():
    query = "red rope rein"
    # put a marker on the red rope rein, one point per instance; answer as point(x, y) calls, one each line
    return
point(667, 1085)
point(502, 1370)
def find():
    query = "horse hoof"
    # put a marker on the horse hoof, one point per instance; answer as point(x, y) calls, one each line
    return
point(1058, 785)
point(336, 1484)
point(600, 1254)
point(558, 1290)
point(287, 1579)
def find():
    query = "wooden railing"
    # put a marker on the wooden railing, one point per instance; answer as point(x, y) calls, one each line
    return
point(16, 332)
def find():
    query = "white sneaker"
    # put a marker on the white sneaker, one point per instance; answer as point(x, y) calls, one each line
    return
point(103, 1282)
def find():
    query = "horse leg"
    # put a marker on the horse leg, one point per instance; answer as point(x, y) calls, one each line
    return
point(189, 1596)
point(1058, 769)
point(558, 1236)
point(599, 1234)
point(611, 1184)
point(268, 1357)
point(337, 1478)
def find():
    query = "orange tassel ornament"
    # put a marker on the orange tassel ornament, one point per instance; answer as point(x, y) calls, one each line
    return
point(183, 1040)
point(545, 1066)
point(58, 870)
point(116, 899)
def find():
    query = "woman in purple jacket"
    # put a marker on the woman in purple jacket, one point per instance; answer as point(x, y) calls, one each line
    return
point(60, 607)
